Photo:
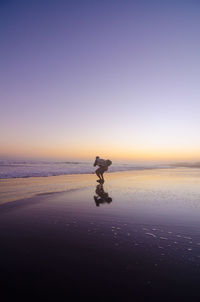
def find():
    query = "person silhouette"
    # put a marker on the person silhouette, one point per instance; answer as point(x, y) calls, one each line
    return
point(102, 196)
point(103, 166)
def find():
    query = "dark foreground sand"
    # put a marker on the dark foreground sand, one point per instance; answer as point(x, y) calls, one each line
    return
point(134, 239)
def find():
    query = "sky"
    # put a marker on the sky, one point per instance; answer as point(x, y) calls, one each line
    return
point(119, 79)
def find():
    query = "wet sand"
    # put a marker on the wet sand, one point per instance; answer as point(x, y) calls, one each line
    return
point(136, 238)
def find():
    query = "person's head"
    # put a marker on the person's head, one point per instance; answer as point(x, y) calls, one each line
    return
point(97, 157)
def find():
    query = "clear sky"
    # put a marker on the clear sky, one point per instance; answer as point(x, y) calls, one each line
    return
point(119, 79)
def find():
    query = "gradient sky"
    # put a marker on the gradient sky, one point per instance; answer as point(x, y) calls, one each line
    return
point(116, 78)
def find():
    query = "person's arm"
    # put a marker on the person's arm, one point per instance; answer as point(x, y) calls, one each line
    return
point(95, 163)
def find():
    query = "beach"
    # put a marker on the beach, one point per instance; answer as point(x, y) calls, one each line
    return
point(100, 89)
point(133, 239)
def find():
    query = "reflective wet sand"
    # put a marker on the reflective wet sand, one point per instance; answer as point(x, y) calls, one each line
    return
point(132, 239)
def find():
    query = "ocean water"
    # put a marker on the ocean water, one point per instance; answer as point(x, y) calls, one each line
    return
point(31, 168)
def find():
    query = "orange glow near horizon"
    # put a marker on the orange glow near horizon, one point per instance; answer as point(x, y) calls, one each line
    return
point(115, 153)
point(114, 80)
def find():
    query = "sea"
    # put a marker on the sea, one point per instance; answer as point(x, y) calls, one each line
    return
point(12, 168)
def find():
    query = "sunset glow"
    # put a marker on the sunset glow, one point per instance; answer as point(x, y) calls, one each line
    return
point(81, 78)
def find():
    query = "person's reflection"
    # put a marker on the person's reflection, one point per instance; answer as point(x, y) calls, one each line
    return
point(102, 196)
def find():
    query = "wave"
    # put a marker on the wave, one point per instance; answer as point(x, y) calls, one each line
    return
point(69, 162)
point(187, 165)
point(29, 168)
point(9, 163)
point(24, 169)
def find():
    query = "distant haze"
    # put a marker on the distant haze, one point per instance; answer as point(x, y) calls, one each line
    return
point(119, 79)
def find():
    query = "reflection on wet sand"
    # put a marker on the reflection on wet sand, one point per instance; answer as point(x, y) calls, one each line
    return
point(147, 241)
point(102, 196)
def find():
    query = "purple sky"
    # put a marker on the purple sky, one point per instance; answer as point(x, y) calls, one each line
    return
point(117, 78)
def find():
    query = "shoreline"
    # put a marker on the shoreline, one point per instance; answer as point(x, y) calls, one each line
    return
point(12, 189)
point(139, 231)
point(107, 172)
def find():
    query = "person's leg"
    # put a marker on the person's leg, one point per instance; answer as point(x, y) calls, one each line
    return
point(102, 176)
point(98, 173)
point(102, 172)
